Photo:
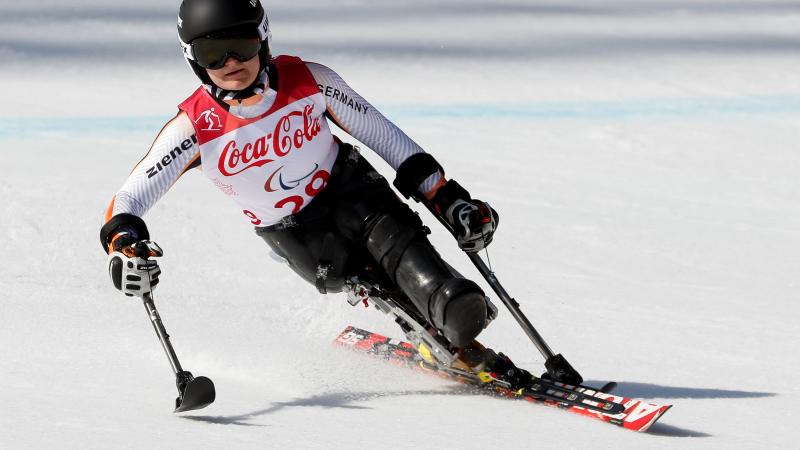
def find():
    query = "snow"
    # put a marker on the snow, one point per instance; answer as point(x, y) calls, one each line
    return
point(641, 155)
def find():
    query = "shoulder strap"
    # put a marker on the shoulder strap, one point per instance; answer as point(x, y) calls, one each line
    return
point(296, 81)
point(206, 114)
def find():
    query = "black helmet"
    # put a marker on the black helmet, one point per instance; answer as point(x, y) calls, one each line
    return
point(222, 18)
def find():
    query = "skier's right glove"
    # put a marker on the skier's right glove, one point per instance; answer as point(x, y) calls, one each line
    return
point(473, 221)
point(130, 265)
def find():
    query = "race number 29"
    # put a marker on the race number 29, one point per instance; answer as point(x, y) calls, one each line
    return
point(314, 187)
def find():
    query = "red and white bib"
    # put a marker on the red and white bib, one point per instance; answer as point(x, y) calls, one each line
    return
point(274, 164)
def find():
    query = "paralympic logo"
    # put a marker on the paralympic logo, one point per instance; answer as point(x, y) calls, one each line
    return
point(286, 185)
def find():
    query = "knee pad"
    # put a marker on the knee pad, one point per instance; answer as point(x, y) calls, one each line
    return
point(387, 240)
point(458, 308)
point(452, 304)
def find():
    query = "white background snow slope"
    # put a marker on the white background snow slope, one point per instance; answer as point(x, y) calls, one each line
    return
point(642, 155)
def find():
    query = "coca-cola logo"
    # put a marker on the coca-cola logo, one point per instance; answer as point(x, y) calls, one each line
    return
point(291, 132)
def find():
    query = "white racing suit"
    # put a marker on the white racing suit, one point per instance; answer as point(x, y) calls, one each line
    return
point(310, 197)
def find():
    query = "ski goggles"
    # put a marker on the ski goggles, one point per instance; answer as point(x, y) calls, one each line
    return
point(212, 53)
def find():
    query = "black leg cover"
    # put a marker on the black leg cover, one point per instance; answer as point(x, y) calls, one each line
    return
point(357, 221)
point(455, 306)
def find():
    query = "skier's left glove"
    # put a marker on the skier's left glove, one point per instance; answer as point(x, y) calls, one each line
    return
point(130, 265)
point(473, 221)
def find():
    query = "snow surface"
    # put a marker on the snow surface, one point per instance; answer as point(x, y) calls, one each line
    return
point(642, 155)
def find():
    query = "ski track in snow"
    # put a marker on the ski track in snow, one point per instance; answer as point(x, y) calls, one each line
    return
point(641, 154)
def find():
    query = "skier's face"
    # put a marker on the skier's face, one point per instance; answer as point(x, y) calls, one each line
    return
point(235, 75)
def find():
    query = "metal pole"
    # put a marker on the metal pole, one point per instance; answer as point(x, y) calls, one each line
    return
point(155, 318)
point(557, 366)
point(512, 306)
point(510, 303)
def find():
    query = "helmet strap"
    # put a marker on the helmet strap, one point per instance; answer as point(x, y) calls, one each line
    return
point(257, 87)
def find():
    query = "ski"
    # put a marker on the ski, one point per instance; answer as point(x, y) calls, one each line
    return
point(632, 414)
point(194, 393)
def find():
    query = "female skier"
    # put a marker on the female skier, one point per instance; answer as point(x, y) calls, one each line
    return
point(258, 127)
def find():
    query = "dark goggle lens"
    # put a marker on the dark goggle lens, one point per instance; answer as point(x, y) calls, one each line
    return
point(212, 53)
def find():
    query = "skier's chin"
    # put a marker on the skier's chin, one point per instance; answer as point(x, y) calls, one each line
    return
point(236, 81)
point(236, 75)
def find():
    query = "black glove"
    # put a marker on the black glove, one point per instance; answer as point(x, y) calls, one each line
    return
point(130, 267)
point(473, 222)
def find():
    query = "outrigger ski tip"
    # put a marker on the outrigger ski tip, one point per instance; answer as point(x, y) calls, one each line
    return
point(193, 393)
point(559, 369)
point(608, 387)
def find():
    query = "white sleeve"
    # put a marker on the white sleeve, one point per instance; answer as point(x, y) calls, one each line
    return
point(173, 152)
point(361, 120)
